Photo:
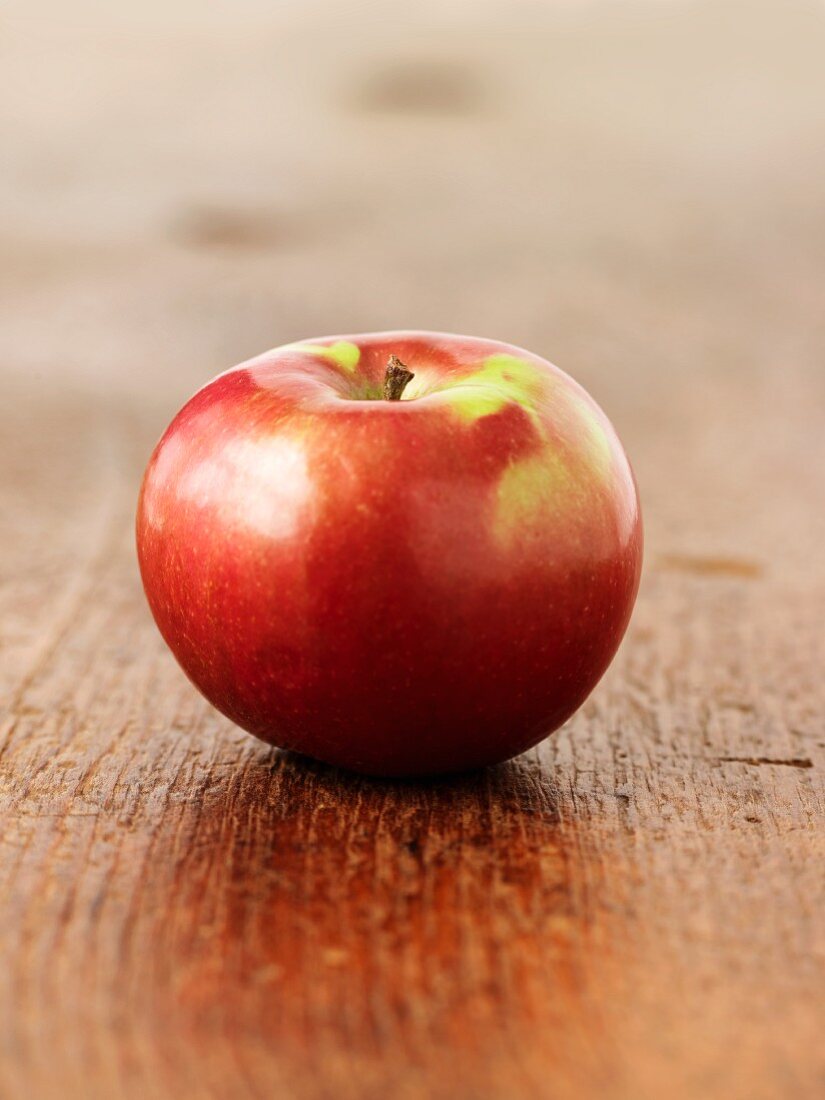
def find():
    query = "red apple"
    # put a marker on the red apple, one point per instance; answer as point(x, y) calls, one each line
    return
point(401, 553)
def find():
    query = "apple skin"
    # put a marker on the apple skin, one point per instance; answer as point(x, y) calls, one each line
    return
point(403, 587)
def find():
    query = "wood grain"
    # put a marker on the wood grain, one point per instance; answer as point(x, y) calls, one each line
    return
point(635, 908)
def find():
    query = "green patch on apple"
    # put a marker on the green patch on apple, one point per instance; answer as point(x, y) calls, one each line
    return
point(526, 489)
point(342, 353)
point(596, 437)
point(502, 380)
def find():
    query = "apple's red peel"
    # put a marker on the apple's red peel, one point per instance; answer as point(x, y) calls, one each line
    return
point(323, 506)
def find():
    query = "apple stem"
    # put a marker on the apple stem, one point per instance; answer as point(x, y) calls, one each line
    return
point(395, 379)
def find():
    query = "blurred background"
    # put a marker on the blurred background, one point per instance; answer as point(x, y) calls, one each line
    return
point(633, 189)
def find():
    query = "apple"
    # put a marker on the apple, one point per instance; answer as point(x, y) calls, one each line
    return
point(403, 553)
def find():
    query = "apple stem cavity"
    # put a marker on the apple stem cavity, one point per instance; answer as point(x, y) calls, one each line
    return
point(396, 379)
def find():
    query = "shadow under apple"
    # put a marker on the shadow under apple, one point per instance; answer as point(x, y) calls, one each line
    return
point(358, 918)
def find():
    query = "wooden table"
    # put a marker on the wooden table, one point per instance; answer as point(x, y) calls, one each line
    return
point(633, 910)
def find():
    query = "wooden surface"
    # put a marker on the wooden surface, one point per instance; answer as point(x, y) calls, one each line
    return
point(636, 908)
